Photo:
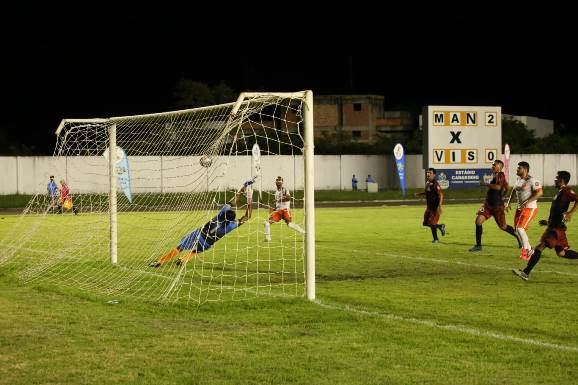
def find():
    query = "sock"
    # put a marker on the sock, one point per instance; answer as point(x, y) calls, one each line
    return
point(533, 260)
point(524, 236)
point(168, 256)
point(188, 256)
point(267, 230)
point(510, 230)
point(434, 232)
point(479, 230)
point(296, 227)
point(570, 254)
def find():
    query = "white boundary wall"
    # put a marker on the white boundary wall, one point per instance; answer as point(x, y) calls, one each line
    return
point(29, 175)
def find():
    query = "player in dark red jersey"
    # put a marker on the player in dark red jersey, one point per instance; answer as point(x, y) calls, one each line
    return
point(434, 198)
point(494, 206)
point(555, 235)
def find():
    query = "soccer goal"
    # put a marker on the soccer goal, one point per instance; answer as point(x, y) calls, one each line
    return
point(141, 185)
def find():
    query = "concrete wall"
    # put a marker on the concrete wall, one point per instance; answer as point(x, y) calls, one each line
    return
point(29, 175)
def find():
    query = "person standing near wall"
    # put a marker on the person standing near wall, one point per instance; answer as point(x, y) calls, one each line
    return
point(52, 189)
point(65, 200)
point(353, 183)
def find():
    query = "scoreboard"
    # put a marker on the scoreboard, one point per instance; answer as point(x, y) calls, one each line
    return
point(461, 142)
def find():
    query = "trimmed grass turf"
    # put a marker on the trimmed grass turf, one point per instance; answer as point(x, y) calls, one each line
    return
point(405, 312)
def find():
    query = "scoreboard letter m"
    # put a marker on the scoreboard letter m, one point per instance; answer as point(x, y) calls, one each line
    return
point(438, 118)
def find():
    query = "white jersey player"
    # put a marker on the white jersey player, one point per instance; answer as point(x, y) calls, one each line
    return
point(528, 190)
point(282, 210)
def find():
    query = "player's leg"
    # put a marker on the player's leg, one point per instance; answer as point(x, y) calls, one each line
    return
point(568, 254)
point(167, 257)
point(563, 250)
point(482, 215)
point(522, 220)
point(534, 258)
point(274, 217)
point(431, 219)
point(551, 239)
point(536, 255)
point(187, 243)
point(287, 218)
point(187, 257)
point(500, 217)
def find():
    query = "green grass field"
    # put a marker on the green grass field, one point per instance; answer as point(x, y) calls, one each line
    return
point(391, 308)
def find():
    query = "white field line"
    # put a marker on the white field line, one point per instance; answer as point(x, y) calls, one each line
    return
point(481, 266)
point(453, 262)
point(450, 327)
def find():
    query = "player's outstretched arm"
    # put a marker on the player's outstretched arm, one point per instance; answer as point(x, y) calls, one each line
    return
point(235, 199)
point(247, 215)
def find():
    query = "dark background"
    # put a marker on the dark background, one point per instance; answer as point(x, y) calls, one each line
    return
point(523, 58)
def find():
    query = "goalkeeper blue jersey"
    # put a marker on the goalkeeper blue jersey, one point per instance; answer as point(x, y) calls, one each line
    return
point(202, 239)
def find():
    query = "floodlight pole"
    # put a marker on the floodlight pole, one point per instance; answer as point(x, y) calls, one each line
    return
point(112, 193)
point(309, 195)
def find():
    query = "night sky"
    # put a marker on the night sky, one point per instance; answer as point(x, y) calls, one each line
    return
point(524, 60)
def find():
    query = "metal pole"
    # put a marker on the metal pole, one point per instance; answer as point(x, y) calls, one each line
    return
point(309, 195)
point(112, 192)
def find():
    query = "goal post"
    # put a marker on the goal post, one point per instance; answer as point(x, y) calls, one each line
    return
point(309, 195)
point(143, 185)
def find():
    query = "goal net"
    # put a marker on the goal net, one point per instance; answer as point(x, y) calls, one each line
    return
point(141, 210)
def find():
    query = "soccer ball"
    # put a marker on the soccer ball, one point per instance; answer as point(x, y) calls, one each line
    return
point(205, 161)
point(67, 204)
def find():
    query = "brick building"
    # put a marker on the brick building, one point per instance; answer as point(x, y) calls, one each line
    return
point(359, 117)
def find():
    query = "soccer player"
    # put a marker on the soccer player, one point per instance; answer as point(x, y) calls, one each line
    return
point(434, 198)
point(555, 235)
point(281, 211)
point(528, 190)
point(205, 237)
point(494, 206)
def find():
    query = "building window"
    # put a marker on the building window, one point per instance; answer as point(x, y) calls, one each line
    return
point(356, 134)
point(356, 106)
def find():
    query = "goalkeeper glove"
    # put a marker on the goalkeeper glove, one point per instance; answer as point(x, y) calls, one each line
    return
point(250, 181)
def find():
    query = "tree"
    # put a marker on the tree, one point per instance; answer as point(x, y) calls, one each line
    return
point(190, 94)
point(517, 135)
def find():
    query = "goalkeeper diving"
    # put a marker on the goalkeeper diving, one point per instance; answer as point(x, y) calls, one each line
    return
point(205, 237)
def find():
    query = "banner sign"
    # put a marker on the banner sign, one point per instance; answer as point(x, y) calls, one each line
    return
point(463, 178)
point(122, 171)
point(399, 155)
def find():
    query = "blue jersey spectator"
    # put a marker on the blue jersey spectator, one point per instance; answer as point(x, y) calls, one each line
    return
point(369, 179)
point(52, 189)
point(354, 183)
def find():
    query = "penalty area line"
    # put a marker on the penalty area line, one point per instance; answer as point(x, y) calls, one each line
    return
point(449, 327)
